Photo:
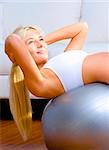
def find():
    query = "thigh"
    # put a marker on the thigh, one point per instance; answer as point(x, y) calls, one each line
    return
point(96, 68)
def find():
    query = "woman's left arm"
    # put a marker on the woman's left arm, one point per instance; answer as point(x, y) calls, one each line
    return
point(76, 32)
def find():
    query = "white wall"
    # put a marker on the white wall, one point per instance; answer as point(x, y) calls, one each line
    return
point(48, 15)
point(51, 14)
point(96, 13)
point(1, 23)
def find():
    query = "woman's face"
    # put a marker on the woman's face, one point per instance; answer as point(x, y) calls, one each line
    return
point(37, 46)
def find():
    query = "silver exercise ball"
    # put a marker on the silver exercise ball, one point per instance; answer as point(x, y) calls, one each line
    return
point(78, 119)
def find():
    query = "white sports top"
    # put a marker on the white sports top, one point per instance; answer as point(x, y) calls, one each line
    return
point(68, 68)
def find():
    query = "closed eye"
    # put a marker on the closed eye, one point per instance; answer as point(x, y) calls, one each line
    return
point(29, 42)
point(41, 39)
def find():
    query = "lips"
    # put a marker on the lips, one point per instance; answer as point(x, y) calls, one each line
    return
point(39, 52)
point(42, 51)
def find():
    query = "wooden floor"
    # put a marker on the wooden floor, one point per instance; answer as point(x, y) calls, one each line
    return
point(10, 138)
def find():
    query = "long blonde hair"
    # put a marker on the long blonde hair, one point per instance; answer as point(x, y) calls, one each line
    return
point(20, 104)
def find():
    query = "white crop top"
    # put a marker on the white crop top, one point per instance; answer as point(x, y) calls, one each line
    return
point(68, 67)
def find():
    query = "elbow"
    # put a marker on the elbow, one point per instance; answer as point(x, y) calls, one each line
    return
point(84, 28)
point(85, 25)
point(12, 38)
point(8, 46)
point(9, 42)
point(9, 39)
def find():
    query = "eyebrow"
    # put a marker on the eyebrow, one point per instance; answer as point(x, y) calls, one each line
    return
point(31, 38)
point(41, 36)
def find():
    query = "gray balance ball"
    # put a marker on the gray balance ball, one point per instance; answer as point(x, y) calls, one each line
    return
point(78, 119)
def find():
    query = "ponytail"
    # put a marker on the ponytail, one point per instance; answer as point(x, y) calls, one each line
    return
point(19, 101)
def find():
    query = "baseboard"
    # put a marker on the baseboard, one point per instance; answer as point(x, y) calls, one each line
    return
point(38, 106)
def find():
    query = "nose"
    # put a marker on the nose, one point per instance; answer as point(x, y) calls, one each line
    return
point(39, 44)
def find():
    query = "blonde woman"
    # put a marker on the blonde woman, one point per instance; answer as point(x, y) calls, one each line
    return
point(50, 78)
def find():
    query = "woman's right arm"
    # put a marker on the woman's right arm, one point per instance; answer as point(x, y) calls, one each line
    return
point(33, 77)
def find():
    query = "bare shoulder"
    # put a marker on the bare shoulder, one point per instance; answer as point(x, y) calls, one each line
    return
point(52, 85)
